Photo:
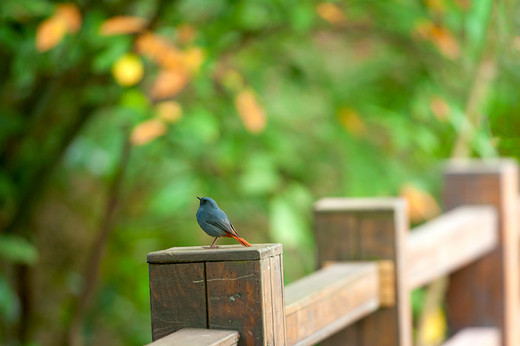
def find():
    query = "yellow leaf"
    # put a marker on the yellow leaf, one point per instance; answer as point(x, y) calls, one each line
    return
point(251, 113)
point(421, 204)
point(50, 32)
point(437, 6)
point(330, 12)
point(193, 58)
point(128, 70)
point(122, 25)
point(70, 14)
point(352, 122)
point(147, 131)
point(434, 328)
point(168, 83)
point(169, 111)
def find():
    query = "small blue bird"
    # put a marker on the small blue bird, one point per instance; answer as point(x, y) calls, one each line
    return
point(215, 222)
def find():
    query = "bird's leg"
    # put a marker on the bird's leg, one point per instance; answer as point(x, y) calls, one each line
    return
point(212, 246)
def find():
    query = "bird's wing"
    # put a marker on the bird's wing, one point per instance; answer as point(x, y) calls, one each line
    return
point(224, 225)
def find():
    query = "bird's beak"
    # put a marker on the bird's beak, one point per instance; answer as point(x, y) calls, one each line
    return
point(198, 198)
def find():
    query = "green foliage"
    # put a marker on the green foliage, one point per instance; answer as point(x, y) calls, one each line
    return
point(276, 104)
point(17, 250)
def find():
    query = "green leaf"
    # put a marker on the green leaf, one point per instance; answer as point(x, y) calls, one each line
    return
point(9, 306)
point(17, 250)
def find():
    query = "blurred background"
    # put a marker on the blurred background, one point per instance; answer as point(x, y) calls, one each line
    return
point(115, 115)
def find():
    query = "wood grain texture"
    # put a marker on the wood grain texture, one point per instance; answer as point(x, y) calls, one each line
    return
point(368, 229)
point(199, 337)
point(240, 297)
point(449, 242)
point(475, 337)
point(278, 296)
point(222, 253)
point(231, 288)
point(486, 292)
point(177, 297)
point(330, 299)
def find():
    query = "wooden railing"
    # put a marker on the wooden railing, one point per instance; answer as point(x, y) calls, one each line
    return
point(369, 261)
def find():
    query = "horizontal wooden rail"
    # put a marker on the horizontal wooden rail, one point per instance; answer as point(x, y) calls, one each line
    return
point(482, 336)
point(199, 337)
point(330, 299)
point(449, 242)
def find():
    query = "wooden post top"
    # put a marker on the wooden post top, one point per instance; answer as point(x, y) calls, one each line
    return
point(222, 253)
point(487, 166)
point(332, 204)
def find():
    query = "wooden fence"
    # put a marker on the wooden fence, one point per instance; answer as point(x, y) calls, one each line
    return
point(370, 261)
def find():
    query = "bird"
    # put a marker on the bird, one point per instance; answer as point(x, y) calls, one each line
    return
point(215, 222)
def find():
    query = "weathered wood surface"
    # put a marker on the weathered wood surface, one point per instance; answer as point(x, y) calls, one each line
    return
point(233, 288)
point(222, 253)
point(199, 337)
point(330, 299)
point(449, 242)
point(177, 297)
point(361, 230)
point(486, 292)
point(475, 337)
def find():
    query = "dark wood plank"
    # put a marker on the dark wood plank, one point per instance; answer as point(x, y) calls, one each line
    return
point(486, 292)
point(177, 297)
point(475, 337)
point(330, 299)
point(238, 299)
point(449, 242)
point(368, 229)
point(222, 253)
point(199, 337)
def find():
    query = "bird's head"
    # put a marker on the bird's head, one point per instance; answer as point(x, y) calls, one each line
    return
point(207, 201)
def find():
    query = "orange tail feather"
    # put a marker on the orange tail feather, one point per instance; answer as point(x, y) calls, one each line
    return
point(241, 240)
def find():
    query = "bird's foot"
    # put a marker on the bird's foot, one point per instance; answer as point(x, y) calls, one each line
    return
point(211, 247)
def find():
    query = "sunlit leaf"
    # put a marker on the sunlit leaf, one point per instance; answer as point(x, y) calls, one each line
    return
point(169, 111)
point(422, 206)
point(50, 32)
point(437, 6)
point(159, 50)
point(440, 36)
point(128, 70)
point(330, 12)
point(285, 223)
point(147, 131)
point(251, 113)
point(186, 34)
point(150, 44)
point(434, 329)
point(192, 59)
point(445, 42)
point(168, 83)
point(440, 108)
point(352, 122)
point(71, 15)
point(123, 25)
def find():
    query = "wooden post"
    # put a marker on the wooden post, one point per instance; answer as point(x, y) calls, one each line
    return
point(368, 229)
point(486, 292)
point(232, 288)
